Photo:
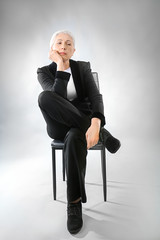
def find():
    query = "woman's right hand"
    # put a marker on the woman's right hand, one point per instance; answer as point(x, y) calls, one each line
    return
point(56, 57)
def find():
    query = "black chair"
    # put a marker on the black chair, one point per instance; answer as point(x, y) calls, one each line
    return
point(58, 145)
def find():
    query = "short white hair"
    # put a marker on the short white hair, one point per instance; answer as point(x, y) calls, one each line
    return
point(58, 32)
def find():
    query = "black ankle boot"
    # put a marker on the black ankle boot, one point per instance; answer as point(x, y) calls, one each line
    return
point(74, 221)
point(112, 144)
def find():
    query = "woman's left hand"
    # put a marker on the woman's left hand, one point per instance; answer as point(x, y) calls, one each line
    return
point(92, 134)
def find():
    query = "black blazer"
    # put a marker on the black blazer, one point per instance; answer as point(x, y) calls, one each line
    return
point(88, 100)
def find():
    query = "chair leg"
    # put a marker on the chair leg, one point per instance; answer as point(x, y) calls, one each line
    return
point(54, 173)
point(63, 166)
point(103, 161)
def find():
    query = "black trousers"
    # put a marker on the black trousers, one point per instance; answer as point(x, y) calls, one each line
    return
point(65, 122)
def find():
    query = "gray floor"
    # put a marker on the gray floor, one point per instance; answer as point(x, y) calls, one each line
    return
point(27, 209)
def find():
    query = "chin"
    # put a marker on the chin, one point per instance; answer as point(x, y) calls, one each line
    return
point(65, 58)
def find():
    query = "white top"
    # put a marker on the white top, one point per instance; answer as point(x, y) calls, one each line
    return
point(71, 90)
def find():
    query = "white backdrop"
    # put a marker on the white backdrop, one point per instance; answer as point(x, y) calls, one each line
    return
point(121, 40)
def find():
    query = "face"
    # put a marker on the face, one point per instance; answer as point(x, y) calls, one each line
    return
point(63, 44)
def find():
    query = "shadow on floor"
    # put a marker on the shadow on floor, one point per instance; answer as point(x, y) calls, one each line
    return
point(104, 229)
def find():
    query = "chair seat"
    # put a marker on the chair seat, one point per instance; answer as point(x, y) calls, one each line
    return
point(57, 144)
point(98, 146)
point(60, 144)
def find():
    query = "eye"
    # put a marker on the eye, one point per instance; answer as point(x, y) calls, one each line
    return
point(69, 44)
point(58, 42)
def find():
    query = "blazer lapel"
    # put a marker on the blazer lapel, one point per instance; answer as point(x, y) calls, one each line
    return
point(77, 78)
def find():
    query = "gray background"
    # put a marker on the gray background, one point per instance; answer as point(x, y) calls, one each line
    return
point(121, 40)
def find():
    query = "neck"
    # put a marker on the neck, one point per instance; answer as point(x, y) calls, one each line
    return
point(66, 64)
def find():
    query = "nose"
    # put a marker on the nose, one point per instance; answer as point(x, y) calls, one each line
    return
point(63, 46)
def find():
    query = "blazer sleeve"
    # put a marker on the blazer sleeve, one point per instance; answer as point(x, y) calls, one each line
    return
point(94, 95)
point(55, 83)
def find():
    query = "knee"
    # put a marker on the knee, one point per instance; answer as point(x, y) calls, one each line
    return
point(74, 135)
point(44, 97)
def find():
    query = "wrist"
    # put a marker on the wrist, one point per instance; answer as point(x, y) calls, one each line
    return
point(96, 122)
point(60, 66)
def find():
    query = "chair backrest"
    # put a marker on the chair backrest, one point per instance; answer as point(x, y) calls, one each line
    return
point(95, 76)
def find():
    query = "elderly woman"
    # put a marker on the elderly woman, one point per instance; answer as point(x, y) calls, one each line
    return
point(73, 110)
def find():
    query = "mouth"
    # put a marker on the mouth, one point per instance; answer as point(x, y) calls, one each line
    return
point(62, 53)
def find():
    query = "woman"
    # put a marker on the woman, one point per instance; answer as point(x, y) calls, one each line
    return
point(73, 110)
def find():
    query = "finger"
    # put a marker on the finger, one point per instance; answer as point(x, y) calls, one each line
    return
point(54, 51)
point(89, 146)
point(88, 143)
point(49, 55)
point(86, 137)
